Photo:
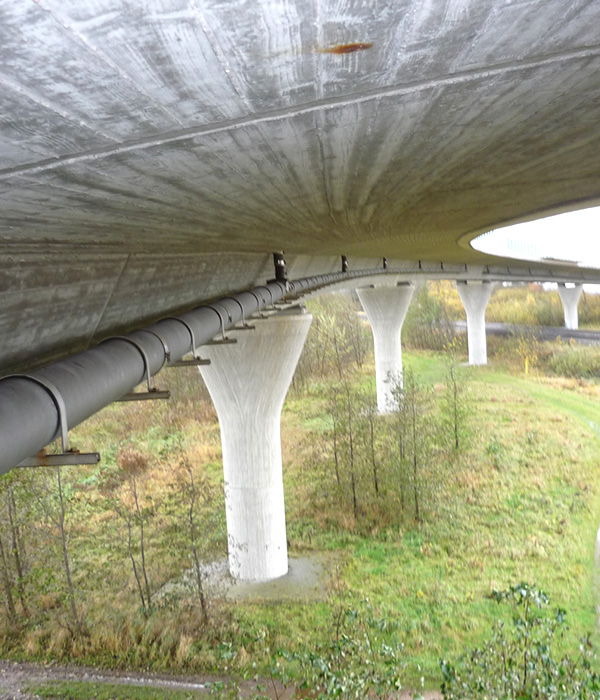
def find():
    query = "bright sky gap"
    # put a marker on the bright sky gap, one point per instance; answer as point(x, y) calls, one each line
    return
point(573, 237)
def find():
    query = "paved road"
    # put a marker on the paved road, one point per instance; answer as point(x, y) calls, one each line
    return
point(583, 337)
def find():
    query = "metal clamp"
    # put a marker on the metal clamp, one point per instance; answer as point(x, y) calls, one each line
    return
point(245, 326)
point(152, 393)
point(218, 303)
point(68, 456)
point(197, 360)
point(260, 301)
point(223, 339)
point(270, 294)
point(167, 353)
point(142, 352)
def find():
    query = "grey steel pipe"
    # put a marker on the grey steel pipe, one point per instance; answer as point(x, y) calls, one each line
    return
point(93, 379)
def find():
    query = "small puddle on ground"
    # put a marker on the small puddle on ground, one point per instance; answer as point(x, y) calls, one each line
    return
point(305, 581)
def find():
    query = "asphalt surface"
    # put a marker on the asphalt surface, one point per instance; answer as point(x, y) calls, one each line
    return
point(583, 337)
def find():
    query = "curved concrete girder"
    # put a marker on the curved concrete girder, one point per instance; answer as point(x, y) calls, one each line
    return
point(158, 155)
point(475, 298)
point(386, 309)
point(570, 299)
point(248, 382)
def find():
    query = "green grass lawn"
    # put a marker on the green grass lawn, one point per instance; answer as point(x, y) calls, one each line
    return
point(522, 503)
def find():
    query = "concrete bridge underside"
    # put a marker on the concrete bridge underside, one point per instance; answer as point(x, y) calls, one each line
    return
point(154, 154)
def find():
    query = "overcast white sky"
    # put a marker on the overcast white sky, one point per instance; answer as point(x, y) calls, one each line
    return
point(574, 236)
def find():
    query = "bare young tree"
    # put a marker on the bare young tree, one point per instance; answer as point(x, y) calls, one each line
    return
point(12, 549)
point(197, 492)
point(17, 545)
point(130, 510)
point(454, 402)
point(417, 444)
point(369, 428)
point(52, 498)
point(348, 394)
point(7, 585)
point(344, 406)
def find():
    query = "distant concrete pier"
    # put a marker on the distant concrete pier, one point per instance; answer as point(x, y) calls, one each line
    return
point(570, 299)
point(386, 309)
point(475, 298)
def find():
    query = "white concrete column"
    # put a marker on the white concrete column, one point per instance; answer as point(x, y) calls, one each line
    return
point(570, 299)
point(386, 308)
point(248, 382)
point(475, 298)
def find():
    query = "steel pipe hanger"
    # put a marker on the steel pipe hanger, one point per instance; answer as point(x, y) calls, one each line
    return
point(38, 407)
point(42, 405)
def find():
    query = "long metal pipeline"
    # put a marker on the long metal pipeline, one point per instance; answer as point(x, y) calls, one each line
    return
point(93, 379)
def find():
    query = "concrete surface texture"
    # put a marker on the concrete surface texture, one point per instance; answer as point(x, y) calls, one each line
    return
point(570, 299)
point(248, 382)
point(475, 298)
point(386, 308)
point(154, 154)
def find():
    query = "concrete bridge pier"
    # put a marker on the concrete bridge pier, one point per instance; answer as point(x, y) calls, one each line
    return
point(248, 382)
point(475, 298)
point(570, 299)
point(386, 308)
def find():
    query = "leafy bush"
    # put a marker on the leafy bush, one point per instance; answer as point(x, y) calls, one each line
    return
point(361, 659)
point(519, 662)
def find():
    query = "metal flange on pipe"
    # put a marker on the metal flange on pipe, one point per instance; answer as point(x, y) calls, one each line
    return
point(90, 380)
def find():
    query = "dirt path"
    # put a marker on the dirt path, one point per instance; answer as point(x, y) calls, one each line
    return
point(14, 676)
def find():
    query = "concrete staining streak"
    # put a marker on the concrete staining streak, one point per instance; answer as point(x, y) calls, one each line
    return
point(134, 84)
point(248, 382)
point(194, 128)
point(38, 100)
point(458, 78)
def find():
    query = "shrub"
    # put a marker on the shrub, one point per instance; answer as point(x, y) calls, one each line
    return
point(361, 660)
point(577, 361)
point(519, 662)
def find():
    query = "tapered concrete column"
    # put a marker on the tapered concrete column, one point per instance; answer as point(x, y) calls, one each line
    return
point(386, 308)
point(570, 299)
point(248, 383)
point(475, 298)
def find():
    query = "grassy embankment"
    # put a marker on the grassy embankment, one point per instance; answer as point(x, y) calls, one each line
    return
point(521, 501)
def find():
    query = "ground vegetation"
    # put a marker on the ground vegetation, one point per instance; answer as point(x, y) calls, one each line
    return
point(478, 479)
